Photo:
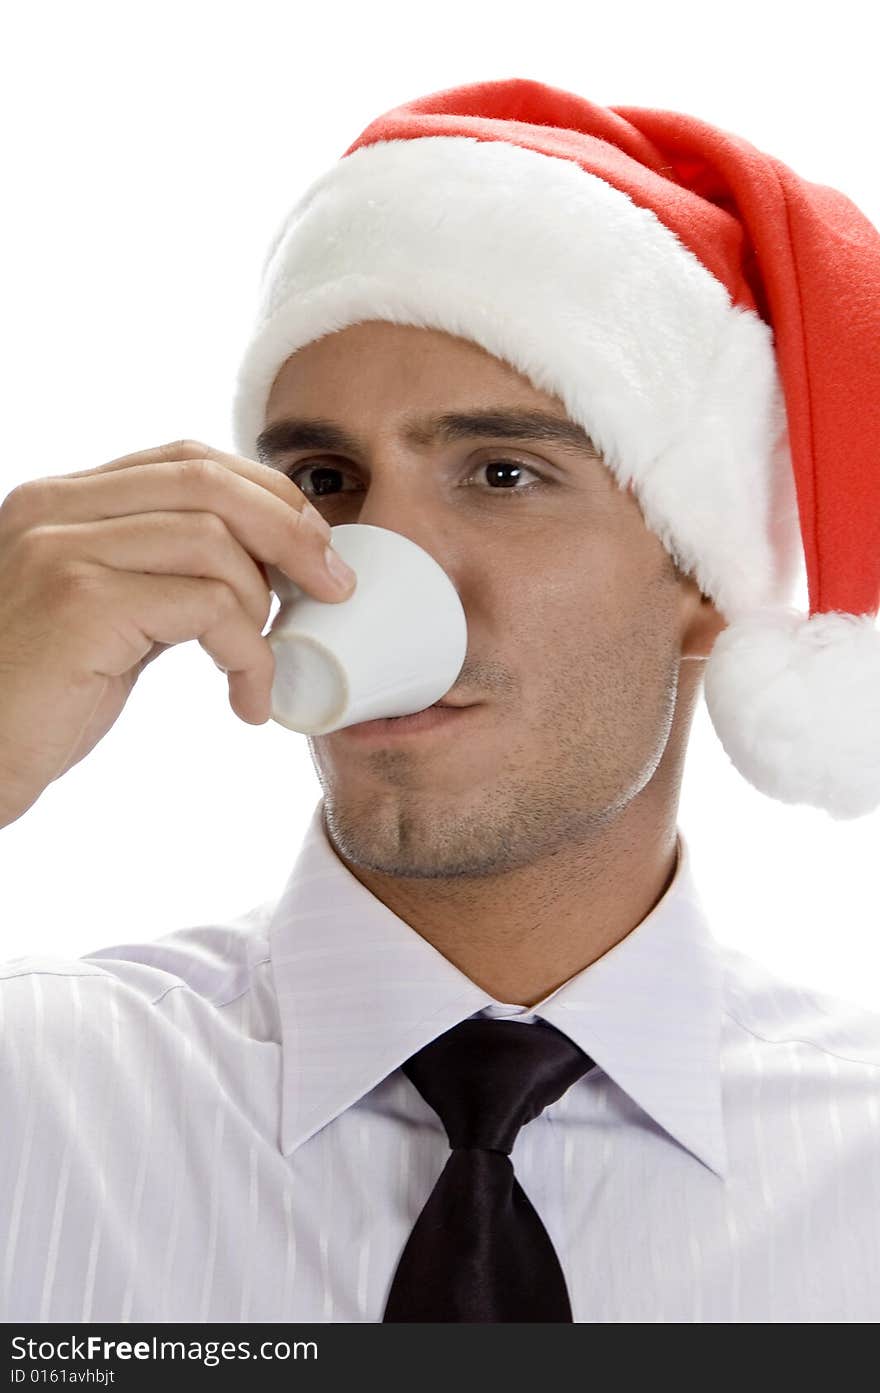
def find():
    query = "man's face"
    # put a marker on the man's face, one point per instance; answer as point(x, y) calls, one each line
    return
point(576, 614)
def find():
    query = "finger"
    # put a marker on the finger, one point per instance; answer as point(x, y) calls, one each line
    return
point(170, 543)
point(272, 479)
point(135, 611)
point(270, 531)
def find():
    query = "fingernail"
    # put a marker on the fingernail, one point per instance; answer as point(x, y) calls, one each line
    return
point(339, 569)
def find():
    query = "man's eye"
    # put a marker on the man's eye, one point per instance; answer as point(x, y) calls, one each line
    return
point(501, 474)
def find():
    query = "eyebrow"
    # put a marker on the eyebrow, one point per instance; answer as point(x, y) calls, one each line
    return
point(293, 433)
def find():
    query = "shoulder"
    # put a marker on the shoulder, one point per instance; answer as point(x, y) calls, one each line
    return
point(211, 964)
point(776, 1011)
point(127, 1035)
point(800, 1075)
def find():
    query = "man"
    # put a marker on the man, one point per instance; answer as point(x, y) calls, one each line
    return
point(327, 1110)
point(552, 804)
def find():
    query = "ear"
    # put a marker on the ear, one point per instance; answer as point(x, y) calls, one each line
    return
point(704, 624)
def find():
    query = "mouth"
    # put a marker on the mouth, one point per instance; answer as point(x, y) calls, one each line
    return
point(442, 716)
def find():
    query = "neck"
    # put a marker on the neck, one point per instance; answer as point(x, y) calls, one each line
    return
point(522, 934)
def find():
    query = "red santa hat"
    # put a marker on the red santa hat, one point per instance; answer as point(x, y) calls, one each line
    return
point(709, 317)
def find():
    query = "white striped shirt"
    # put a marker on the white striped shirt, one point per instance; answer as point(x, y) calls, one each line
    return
point(213, 1126)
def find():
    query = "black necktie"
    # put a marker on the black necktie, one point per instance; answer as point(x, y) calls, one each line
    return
point(478, 1251)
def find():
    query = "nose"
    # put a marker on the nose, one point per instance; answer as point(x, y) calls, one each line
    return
point(414, 514)
point(417, 513)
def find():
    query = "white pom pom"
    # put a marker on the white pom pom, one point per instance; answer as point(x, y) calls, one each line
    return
point(795, 701)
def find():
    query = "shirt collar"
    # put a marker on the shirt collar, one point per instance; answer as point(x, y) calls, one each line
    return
point(359, 992)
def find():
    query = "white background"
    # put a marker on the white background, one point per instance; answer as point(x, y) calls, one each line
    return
point(149, 154)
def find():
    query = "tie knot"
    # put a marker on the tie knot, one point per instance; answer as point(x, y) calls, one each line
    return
point(487, 1078)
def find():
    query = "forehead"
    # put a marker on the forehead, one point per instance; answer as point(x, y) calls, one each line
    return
point(385, 361)
point(404, 371)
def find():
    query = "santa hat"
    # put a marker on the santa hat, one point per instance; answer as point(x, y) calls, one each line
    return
point(710, 318)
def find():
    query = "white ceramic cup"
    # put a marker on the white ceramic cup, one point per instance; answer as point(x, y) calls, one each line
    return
point(395, 646)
